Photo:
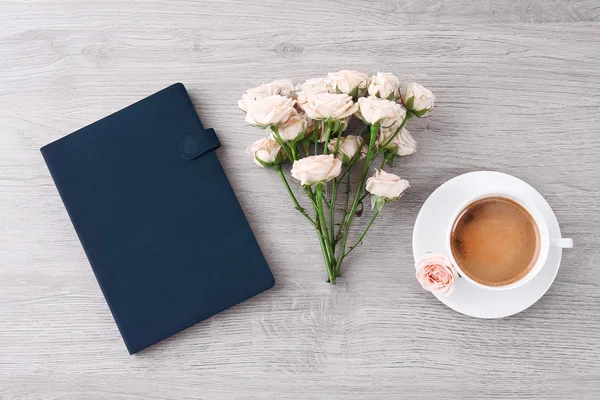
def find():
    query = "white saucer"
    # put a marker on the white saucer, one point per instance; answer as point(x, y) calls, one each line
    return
point(430, 234)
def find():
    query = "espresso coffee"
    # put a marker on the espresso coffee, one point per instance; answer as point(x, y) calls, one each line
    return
point(495, 241)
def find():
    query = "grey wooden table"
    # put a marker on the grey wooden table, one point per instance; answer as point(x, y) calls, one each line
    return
point(518, 85)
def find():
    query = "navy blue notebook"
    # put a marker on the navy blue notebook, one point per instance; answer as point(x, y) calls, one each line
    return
point(157, 217)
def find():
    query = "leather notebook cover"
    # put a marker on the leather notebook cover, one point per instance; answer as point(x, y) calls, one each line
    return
point(157, 217)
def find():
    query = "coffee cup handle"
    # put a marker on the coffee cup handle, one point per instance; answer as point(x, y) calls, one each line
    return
point(564, 243)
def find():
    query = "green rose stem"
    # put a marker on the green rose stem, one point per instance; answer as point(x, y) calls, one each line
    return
point(339, 129)
point(277, 168)
point(319, 193)
point(369, 158)
point(327, 133)
point(332, 216)
point(346, 203)
point(324, 249)
point(348, 174)
point(294, 151)
point(334, 189)
point(329, 262)
point(287, 152)
point(363, 197)
point(360, 238)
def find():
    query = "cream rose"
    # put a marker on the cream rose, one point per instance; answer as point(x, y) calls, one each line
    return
point(348, 147)
point(316, 169)
point(375, 111)
point(311, 87)
point(315, 84)
point(402, 145)
point(436, 273)
point(282, 87)
point(385, 185)
point(353, 83)
point(265, 152)
point(286, 86)
point(271, 110)
point(321, 106)
point(418, 99)
point(384, 85)
point(293, 129)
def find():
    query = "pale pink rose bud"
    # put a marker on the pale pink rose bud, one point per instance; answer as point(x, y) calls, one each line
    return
point(286, 86)
point(418, 99)
point(316, 169)
point(436, 273)
point(322, 106)
point(375, 111)
point(385, 86)
point(271, 110)
point(282, 87)
point(348, 147)
point(266, 152)
point(352, 83)
point(311, 87)
point(293, 129)
point(403, 144)
point(387, 186)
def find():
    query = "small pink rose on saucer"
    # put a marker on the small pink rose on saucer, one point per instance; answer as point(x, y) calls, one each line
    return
point(436, 273)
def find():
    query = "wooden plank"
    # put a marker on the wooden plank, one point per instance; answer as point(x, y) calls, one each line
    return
point(517, 92)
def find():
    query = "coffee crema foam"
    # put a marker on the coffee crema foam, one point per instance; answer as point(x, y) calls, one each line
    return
point(495, 241)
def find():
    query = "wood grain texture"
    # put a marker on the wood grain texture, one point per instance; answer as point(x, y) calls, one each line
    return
point(518, 85)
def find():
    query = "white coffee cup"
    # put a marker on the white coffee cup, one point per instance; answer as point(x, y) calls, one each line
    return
point(545, 240)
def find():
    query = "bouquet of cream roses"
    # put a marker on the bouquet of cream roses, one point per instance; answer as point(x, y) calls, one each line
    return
point(306, 126)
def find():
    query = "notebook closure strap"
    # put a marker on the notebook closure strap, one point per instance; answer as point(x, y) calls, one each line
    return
point(195, 144)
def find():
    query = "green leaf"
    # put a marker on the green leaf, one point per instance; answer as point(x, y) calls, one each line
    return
point(377, 202)
point(422, 113)
point(354, 94)
point(389, 155)
point(410, 103)
point(336, 126)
